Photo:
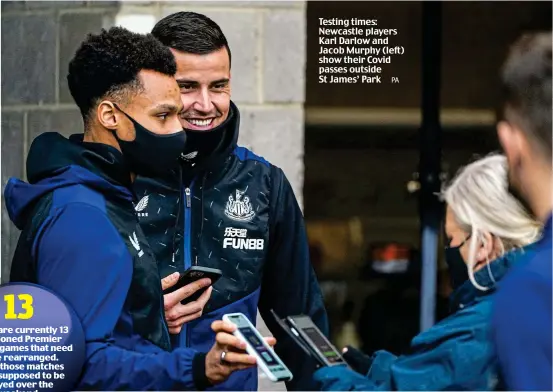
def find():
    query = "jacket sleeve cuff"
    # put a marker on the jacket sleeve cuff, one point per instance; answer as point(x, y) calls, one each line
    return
point(198, 372)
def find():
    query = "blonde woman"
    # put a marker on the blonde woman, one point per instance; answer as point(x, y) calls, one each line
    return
point(487, 230)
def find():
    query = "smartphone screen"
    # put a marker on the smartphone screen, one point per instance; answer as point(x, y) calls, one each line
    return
point(258, 346)
point(316, 340)
point(322, 345)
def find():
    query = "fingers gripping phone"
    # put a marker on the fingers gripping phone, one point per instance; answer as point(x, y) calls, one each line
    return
point(318, 344)
point(256, 346)
point(191, 275)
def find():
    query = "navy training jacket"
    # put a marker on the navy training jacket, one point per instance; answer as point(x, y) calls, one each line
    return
point(236, 212)
point(81, 239)
point(522, 320)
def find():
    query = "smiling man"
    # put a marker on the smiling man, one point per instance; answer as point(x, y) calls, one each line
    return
point(224, 207)
point(80, 234)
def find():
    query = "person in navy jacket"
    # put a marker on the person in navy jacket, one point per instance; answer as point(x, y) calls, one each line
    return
point(488, 231)
point(80, 234)
point(522, 318)
point(225, 207)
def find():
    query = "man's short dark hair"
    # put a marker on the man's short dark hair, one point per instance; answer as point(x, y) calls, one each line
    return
point(107, 64)
point(190, 32)
point(526, 80)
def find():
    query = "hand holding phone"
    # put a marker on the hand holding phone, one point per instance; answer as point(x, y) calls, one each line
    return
point(186, 295)
point(191, 275)
point(227, 353)
point(256, 346)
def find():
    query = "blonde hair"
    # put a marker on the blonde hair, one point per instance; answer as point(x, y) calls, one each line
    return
point(480, 200)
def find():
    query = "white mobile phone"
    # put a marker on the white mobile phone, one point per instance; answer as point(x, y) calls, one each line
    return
point(256, 346)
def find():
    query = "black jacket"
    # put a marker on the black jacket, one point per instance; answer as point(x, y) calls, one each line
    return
point(238, 213)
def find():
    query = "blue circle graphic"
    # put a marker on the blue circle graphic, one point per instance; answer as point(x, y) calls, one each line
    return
point(42, 346)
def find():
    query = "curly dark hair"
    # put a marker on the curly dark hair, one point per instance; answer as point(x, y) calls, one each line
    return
point(107, 65)
point(190, 32)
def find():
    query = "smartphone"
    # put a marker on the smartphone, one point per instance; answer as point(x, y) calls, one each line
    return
point(256, 346)
point(193, 274)
point(312, 336)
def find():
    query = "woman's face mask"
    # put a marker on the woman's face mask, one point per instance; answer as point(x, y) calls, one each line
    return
point(456, 264)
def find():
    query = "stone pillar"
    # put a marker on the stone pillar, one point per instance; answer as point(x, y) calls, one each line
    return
point(38, 40)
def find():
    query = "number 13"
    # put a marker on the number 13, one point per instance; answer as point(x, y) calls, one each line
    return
point(27, 305)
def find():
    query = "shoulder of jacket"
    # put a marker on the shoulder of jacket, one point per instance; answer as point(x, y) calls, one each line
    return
point(78, 195)
point(244, 154)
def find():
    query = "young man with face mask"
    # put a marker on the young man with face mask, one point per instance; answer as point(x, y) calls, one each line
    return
point(523, 310)
point(224, 207)
point(80, 234)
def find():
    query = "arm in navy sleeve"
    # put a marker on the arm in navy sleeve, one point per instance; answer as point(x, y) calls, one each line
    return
point(289, 284)
point(522, 332)
point(81, 257)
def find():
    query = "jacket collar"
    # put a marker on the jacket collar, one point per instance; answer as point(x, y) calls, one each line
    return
point(486, 277)
point(222, 153)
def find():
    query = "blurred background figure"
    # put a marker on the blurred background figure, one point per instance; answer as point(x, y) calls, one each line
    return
point(487, 231)
point(393, 264)
point(316, 257)
point(523, 315)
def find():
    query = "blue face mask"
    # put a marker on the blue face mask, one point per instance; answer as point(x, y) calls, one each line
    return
point(458, 270)
point(151, 154)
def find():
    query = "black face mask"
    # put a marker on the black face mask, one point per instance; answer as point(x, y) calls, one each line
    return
point(151, 154)
point(458, 270)
point(200, 144)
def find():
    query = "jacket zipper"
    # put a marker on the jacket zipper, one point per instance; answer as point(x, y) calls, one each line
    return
point(164, 322)
point(187, 246)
